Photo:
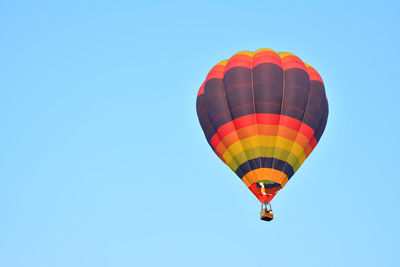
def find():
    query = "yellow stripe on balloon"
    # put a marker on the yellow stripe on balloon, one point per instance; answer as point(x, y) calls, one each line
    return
point(285, 54)
point(264, 49)
point(267, 152)
point(247, 53)
point(223, 62)
point(279, 143)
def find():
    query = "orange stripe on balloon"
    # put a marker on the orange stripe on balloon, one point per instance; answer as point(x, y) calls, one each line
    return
point(265, 174)
point(222, 131)
point(216, 72)
point(266, 57)
point(291, 61)
point(239, 60)
point(298, 125)
point(262, 119)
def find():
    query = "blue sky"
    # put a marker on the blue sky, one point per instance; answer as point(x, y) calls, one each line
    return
point(103, 161)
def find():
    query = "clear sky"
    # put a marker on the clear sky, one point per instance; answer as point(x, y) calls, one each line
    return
point(103, 161)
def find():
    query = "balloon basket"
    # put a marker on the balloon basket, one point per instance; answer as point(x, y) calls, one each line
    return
point(266, 213)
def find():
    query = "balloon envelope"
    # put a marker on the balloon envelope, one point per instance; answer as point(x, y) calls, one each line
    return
point(263, 113)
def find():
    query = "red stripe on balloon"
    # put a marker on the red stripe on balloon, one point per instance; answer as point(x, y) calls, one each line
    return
point(262, 198)
point(314, 75)
point(216, 72)
point(293, 62)
point(313, 142)
point(266, 57)
point(238, 60)
point(201, 90)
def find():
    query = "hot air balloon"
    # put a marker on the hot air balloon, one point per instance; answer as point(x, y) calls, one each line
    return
point(263, 113)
